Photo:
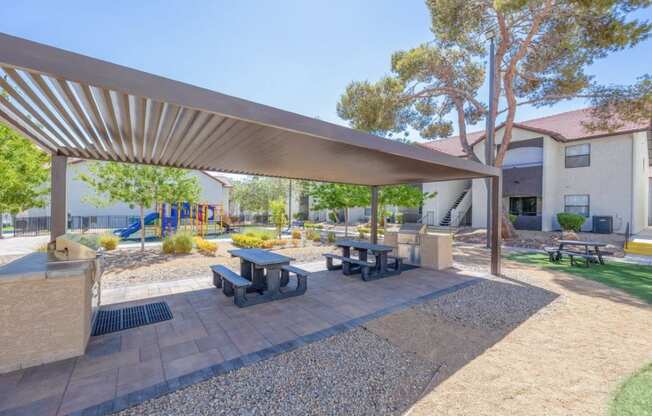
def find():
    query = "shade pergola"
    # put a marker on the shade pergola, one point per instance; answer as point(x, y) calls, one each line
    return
point(76, 106)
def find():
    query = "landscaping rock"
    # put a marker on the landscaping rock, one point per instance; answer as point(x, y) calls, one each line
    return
point(355, 373)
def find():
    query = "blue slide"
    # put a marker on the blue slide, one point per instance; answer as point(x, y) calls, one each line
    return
point(126, 232)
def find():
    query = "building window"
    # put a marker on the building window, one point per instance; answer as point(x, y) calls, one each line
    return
point(524, 205)
point(578, 156)
point(577, 204)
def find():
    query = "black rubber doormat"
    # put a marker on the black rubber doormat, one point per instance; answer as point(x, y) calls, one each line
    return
point(113, 320)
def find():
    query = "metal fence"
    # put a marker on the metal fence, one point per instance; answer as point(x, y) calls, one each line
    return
point(27, 226)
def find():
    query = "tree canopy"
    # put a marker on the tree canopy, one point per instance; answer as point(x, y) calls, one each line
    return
point(24, 173)
point(256, 193)
point(616, 104)
point(542, 50)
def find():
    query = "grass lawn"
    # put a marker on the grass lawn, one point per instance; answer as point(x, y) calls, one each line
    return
point(632, 278)
point(634, 397)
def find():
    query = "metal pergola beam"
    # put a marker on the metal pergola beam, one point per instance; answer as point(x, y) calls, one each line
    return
point(77, 106)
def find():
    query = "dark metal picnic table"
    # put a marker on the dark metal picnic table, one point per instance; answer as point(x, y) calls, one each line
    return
point(362, 247)
point(262, 268)
point(587, 247)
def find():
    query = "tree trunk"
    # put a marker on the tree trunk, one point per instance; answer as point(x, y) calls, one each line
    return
point(346, 222)
point(507, 228)
point(142, 228)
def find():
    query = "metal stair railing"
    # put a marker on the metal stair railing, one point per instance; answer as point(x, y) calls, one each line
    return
point(460, 210)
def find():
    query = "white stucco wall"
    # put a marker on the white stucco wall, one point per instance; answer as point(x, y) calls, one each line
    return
point(553, 163)
point(447, 193)
point(607, 181)
point(640, 181)
point(212, 191)
point(614, 188)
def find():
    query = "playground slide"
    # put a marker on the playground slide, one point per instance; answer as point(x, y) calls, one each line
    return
point(126, 232)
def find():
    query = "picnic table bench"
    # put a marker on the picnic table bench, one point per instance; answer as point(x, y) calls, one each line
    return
point(262, 272)
point(369, 270)
point(232, 284)
point(592, 252)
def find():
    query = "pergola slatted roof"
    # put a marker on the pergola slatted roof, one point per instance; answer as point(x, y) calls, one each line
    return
point(77, 106)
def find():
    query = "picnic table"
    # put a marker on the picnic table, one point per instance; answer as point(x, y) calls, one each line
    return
point(380, 268)
point(590, 253)
point(263, 272)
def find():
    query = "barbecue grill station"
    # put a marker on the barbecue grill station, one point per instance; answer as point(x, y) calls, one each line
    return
point(422, 248)
point(48, 302)
point(72, 105)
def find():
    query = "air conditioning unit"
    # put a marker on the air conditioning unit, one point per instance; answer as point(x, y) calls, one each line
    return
point(603, 224)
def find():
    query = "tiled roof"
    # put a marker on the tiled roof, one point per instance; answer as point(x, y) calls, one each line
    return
point(452, 145)
point(567, 126)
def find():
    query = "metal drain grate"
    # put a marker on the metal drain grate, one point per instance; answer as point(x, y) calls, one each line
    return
point(113, 320)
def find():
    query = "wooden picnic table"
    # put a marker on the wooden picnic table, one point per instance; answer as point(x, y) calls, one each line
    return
point(587, 247)
point(262, 268)
point(379, 251)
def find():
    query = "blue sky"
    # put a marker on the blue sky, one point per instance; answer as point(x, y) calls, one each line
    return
point(295, 55)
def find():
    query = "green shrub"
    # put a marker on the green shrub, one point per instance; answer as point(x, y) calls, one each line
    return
point(246, 241)
point(182, 243)
point(331, 237)
point(264, 237)
point(109, 242)
point(312, 225)
point(512, 218)
point(333, 216)
point(367, 229)
point(362, 234)
point(168, 246)
point(250, 234)
point(278, 217)
point(312, 235)
point(570, 222)
point(296, 234)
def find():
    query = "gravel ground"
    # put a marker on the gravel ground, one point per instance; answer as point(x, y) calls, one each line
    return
point(566, 359)
point(355, 373)
point(493, 304)
point(127, 267)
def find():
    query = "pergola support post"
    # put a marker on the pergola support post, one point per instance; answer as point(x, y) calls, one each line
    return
point(58, 196)
point(374, 214)
point(496, 213)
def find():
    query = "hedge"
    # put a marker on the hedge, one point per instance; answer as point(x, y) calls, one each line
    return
point(570, 222)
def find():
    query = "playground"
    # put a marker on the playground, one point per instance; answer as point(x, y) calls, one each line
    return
point(168, 219)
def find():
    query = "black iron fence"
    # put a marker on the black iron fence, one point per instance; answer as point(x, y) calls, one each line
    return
point(25, 226)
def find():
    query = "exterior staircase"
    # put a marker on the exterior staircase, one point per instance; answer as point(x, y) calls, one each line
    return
point(449, 219)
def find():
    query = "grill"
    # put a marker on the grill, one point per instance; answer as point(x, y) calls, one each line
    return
point(70, 251)
point(114, 320)
point(408, 242)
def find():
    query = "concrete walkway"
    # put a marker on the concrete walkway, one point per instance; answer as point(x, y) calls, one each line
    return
point(208, 336)
point(17, 246)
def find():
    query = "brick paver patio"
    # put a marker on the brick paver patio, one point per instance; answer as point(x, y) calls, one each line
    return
point(208, 336)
